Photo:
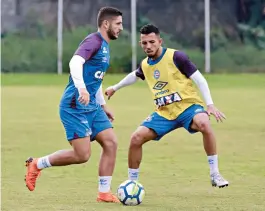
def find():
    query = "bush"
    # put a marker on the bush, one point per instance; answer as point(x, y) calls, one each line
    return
point(39, 54)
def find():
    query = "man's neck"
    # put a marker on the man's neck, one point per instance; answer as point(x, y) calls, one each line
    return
point(158, 54)
point(104, 35)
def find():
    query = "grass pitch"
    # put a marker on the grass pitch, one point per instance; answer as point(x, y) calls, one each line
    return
point(174, 170)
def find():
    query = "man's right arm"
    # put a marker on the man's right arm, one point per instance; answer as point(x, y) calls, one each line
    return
point(131, 78)
point(76, 71)
point(84, 52)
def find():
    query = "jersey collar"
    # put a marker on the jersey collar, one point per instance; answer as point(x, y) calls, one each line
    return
point(153, 62)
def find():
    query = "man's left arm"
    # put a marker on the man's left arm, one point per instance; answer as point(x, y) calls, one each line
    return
point(187, 68)
point(100, 100)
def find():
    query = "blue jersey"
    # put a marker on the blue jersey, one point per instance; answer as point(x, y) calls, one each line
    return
point(95, 50)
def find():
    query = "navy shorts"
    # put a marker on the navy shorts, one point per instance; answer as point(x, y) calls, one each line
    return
point(80, 123)
point(162, 126)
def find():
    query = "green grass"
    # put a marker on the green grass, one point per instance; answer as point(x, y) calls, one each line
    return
point(174, 171)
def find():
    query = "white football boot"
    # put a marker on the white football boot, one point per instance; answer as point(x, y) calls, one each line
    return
point(218, 181)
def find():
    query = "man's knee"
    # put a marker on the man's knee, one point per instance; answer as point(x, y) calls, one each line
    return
point(82, 157)
point(137, 139)
point(111, 143)
point(107, 140)
point(204, 126)
point(81, 149)
point(202, 123)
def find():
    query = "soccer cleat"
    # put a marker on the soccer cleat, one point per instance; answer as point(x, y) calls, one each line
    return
point(107, 197)
point(32, 173)
point(218, 181)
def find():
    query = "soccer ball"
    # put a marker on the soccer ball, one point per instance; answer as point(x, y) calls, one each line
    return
point(131, 193)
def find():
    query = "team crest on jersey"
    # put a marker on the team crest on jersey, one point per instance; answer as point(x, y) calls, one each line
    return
point(156, 74)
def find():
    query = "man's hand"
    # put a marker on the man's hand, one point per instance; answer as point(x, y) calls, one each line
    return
point(212, 110)
point(109, 92)
point(84, 96)
point(108, 112)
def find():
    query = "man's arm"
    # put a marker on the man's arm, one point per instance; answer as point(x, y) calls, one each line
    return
point(187, 68)
point(131, 78)
point(100, 100)
point(100, 97)
point(76, 71)
point(84, 52)
point(202, 84)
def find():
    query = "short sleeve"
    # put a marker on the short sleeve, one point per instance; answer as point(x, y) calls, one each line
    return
point(184, 64)
point(139, 72)
point(89, 47)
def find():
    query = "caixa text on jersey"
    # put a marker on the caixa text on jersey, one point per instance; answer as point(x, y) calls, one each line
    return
point(166, 100)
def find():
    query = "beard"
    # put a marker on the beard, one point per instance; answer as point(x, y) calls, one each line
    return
point(111, 34)
point(153, 55)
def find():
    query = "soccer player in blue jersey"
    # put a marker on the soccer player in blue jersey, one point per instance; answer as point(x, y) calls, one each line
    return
point(82, 108)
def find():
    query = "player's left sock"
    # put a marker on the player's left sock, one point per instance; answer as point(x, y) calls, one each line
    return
point(213, 163)
point(133, 174)
point(104, 184)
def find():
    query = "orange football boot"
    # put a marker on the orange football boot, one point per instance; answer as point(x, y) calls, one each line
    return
point(32, 173)
point(107, 197)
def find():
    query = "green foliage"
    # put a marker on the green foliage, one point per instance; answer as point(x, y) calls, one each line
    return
point(20, 54)
point(38, 54)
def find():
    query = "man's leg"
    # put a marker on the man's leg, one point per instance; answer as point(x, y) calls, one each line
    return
point(78, 133)
point(108, 141)
point(80, 153)
point(103, 133)
point(138, 138)
point(201, 123)
point(153, 128)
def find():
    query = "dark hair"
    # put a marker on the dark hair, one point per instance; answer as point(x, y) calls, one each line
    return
point(107, 13)
point(149, 28)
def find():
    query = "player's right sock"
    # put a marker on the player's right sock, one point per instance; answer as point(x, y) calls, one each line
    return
point(133, 174)
point(104, 184)
point(43, 163)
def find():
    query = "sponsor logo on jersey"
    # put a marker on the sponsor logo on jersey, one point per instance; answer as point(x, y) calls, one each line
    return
point(166, 100)
point(198, 110)
point(149, 118)
point(88, 132)
point(104, 59)
point(160, 85)
point(99, 75)
point(162, 92)
point(104, 50)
